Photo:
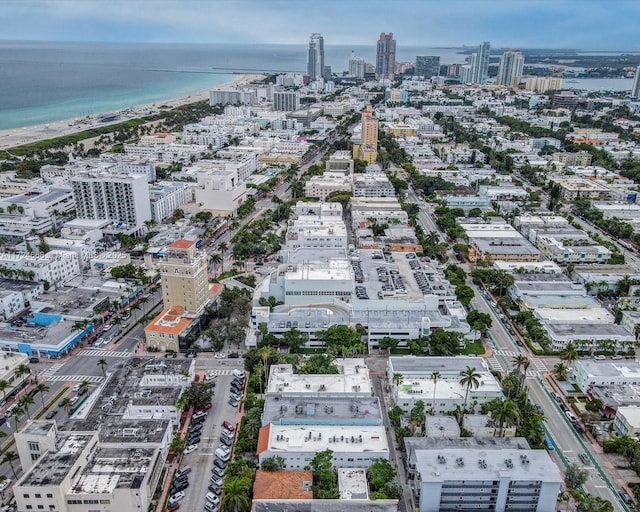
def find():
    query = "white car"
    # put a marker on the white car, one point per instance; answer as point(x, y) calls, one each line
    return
point(176, 498)
point(190, 449)
point(76, 388)
point(4, 484)
point(107, 327)
point(212, 498)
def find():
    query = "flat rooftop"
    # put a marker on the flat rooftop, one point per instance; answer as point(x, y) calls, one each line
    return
point(588, 330)
point(631, 414)
point(414, 366)
point(316, 438)
point(353, 378)
point(591, 315)
point(352, 484)
point(114, 468)
point(627, 368)
point(283, 485)
point(52, 468)
point(335, 410)
point(14, 285)
point(446, 464)
point(445, 389)
point(325, 506)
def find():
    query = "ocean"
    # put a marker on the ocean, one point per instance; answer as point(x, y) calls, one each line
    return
point(45, 82)
point(42, 82)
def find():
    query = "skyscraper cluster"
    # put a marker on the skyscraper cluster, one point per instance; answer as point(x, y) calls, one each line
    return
point(510, 68)
point(386, 56)
point(315, 57)
point(476, 71)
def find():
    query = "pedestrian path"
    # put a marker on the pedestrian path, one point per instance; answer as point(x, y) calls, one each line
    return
point(51, 370)
point(494, 364)
point(94, 379)
point(539, 365)
point(508, 353)
point(220, 372)
point(104, 353)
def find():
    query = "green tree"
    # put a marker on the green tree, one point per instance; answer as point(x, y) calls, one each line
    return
point(66, 404)
point(380, 474)
point(575, 477)
point(102, 363)
point(560, 371)
point(294, 339)
point(4, 385)
point(24, 402)
point(479, 321)
point(397, 378)
point(325, 484)
point(9, 457)
point(569, 354)
point(435, 377)
point(464, 294)
point(444, 343)
point(235, 494)
point(395, 415)
point(42, 388)
point(504, 412)
point(470, 378)
point(275, 463)
point(594, 504)
point(417, 415)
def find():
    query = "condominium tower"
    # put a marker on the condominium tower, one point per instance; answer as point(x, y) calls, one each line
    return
point(184, 278)
point(315, 57)
point(368, 150)
point(386, 56)
point(477, 69)
point(635, 90)
point(510, 68)
point(122, 199)
point(357, 66)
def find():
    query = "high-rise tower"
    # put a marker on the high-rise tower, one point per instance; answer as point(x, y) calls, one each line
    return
point(635, 90)
point(386, 56)
point(183, 273)
point(482, 63)
point(510, 68)
point(427, 66)
point(315, 57)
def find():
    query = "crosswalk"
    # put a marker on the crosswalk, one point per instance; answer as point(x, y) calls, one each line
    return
point(494, 364)
point(539, 365)
point(220, 372)
point(46, 375)
point(104, 353)
point(94, 379)
point(508, 353)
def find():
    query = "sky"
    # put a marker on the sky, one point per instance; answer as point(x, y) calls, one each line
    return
point(586, 24)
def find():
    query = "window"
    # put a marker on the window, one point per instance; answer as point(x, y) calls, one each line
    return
point(49, 495)
point(38, 495)
point(105, 502)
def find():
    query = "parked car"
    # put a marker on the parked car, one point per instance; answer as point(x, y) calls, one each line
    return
point(34, 360)
point(219, 463)
point(190, 449)
point(229, 426)
point(233, 402)
point(183, 470)
point(210, 507)
point(227, 441)
point(173, 507)
point(212, 498)
point(51, 413)
point(194, 440)
point(215, 489)
point(175, 498)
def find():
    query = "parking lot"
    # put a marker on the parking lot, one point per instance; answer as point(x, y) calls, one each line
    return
point(201, 460)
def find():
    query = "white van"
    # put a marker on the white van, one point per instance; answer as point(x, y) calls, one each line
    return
point(238, 373)
point(222, 455)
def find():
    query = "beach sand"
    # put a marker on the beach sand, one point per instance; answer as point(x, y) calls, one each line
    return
point(19, 136)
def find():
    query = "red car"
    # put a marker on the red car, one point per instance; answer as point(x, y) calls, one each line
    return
point(205, 408)
point(228, 426)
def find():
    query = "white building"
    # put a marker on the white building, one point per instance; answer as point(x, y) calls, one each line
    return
point(15, 295)
point(327, 183)
point(590, 373)
point(43, 201)
point(220, 191)
point(54, 267)
point(121, 199)
point(315, 237)
point(372, 185)
point(418, 383)
point(487, 477)
point(627, 421)
point(352, 446)
point(233, 97)
point(165, 197)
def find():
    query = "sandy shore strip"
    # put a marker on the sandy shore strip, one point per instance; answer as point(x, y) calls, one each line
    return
point(18, 136)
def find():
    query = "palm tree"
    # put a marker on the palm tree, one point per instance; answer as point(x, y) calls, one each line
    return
point(560, 371)
point(66, 404)
point(22, 369)
point(397, 379)
point(505, 412)
point(235, 494)
point(469, 378)
point(265, 353)
point(84, 386)
point(102, 363)
point(569, 354)
point(42, 388)
point(417, 416)
point(435, 377)
point(215, 259)
point(8, 457)
point(4, 385)
point(24, 402)
point(519, 362)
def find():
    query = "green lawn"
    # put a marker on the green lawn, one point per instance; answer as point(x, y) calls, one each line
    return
point(474, 349)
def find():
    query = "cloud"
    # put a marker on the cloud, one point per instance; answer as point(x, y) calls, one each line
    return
point(516, 23)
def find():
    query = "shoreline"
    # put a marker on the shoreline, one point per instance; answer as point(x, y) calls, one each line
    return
point(13, 137)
